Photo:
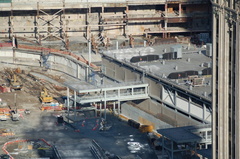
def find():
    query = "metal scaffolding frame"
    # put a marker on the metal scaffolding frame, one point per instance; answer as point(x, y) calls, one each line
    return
point(175, 141)
point(173, 94)
point(105, 21)
point(52, 29)
point(105, 94)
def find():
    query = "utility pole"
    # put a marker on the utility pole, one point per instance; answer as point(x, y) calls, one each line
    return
point(15, 101)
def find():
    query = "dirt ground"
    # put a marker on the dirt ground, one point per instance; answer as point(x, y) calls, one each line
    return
point(43, 124)
point(27, 98)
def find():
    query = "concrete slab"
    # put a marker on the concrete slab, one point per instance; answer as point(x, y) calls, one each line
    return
point(193, 59)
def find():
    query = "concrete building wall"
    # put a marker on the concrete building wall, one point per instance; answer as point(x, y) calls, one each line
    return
point(119, 74)
point(196, 110)
point(226, 112)
point(29, 56)
point(154, 88)
point(129, 76)
point(56, 62)
point(155, 114)
point(142, 117)
point(183, 104)
point(157, 91)
point(30, 18)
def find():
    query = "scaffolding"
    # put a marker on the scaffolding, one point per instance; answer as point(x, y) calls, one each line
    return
point(45, 24)
point(183, 142)
point(105, 94)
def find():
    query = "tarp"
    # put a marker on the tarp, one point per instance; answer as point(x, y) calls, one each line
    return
point(5, 1)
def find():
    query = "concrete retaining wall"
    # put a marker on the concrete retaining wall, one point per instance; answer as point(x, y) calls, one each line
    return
point(149, 112)
point(142, 117)
point(165, 114)
point(56, 62)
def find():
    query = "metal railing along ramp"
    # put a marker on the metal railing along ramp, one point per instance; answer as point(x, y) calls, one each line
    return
point(114, 93)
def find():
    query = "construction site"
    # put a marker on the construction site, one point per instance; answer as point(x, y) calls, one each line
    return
point(86, 79)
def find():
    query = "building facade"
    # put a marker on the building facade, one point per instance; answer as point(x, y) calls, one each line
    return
point(226, 73)
point(61, 19)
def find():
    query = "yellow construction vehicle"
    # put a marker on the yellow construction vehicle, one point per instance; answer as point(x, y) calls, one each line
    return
point(6, 132)
point(15, 84)
point(45, 97)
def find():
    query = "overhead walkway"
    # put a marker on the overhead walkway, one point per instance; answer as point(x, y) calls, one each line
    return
point(114, 93)
point(105, 93)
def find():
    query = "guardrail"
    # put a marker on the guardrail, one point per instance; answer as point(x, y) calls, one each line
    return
point(97, 151)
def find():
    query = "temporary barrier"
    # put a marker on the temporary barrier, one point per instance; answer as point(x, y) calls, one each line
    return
point(133, 123)
point(18, 141)
point(5, 44)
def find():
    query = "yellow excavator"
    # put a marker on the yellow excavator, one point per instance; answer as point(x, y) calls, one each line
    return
point(45, 97)
point(15, 83)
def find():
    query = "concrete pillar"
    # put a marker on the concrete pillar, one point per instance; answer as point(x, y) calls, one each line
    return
point(100, 108)
point(119, 108)
point(204, 112)
point(175, 98)
point(237, 118)
point(165, 26)
point(160, 25)
point(68, 102)
point(14, 55)
point(114, 107)
point(143, 76)
point(214, 139)
point(95, 106)
point(118, 102)
point(125, 27)
point(86, 73)
point(146, 90)
point(89, 53)
point(102, 9)
point(13, 42)
point(75, 105)
point(180, 9)
point(206, 137)
point(105, 105)
point(78, 71)
point(116, 45)
point(189, 105)
point(166, 9)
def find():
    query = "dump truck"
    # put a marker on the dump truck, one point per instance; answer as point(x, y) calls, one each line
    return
point(45, 97)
